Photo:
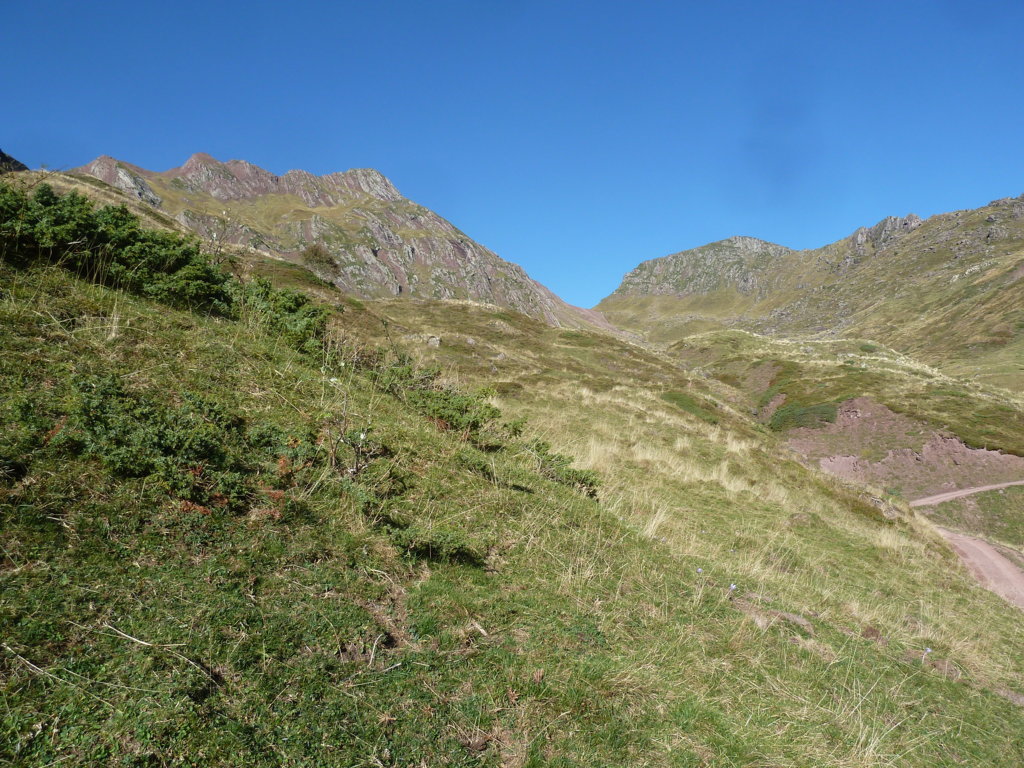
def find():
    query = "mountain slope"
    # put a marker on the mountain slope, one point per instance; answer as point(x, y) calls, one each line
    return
point(368, 240)
point(949, 289)
point(234, 534)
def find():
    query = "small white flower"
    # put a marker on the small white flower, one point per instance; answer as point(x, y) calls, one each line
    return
point(700, 570)
point(927, 650)
point(732, 587)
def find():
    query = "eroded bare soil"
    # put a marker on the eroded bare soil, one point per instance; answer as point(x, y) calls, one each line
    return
point(869, 443)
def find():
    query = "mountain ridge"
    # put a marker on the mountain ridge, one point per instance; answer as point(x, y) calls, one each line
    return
point(352, 228)
point(947, 288)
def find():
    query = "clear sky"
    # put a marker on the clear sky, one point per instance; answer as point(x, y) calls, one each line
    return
point(574, 138)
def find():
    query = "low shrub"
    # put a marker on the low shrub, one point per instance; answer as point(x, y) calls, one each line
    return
point(195, 450)
point(449, 410)
point(109, 246)
point(558, 468)
point(690, 405)
point(794, 415)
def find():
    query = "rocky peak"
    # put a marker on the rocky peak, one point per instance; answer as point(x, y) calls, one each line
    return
point(242, 180)
point(736, 261)
point(751, 245)
point(366, 181)
point(884, 232)
point(128, 178)
point(8, 164)
point(373, 242)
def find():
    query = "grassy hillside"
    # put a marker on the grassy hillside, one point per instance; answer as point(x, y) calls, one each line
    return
point(806, 373)
point(255, 532)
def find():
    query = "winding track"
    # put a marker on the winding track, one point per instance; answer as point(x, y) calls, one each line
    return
point(988, 566)
point(941, 497)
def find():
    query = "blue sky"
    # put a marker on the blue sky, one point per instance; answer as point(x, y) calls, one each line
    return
point(574, 138)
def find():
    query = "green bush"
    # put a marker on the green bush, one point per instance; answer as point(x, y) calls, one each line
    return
point(690, 405)
point(795, 415)
point(288, 313)
point(109, 246)
point(453, 410)
point(558, 468)
point(25, 428)
point(197, 450)
point(318, 258)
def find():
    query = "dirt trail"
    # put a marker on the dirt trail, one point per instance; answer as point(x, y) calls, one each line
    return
point(994, 571)
point(941, 497)
point(988, 566)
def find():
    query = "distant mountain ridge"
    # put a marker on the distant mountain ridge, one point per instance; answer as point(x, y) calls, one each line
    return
point(949, 288)
point(734, 262)
point(373, 242)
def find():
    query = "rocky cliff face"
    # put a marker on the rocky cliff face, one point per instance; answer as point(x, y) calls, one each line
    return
point(370, 240)
point(8, 164)
point(241, 180)
point(127, 178)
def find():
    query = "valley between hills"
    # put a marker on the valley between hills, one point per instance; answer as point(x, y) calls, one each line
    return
point(293, 472)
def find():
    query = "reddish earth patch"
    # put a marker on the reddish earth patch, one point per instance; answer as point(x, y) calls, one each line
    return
point(868, 443)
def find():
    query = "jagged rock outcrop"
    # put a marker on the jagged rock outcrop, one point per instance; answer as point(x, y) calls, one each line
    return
point(241, 180)
point(9, 165)
point(127, 178)
point(371, 241)
point(867, 241)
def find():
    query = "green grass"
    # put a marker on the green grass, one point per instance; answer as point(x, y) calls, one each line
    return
point(383, 586)
point(690, 405)
point(713, 493)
